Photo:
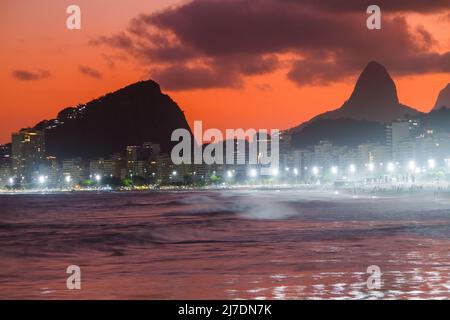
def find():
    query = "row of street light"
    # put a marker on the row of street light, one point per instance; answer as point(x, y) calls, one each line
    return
point(391, 167)
point(42, 180)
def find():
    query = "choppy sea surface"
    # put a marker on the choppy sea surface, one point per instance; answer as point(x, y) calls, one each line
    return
point(226, 244)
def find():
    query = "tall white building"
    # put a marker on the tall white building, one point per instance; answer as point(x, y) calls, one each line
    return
point(396, 133)
point(28, 153)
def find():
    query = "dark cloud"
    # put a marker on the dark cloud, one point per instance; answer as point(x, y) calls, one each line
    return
point(315, 72)
point(120, 40)
point(246, 64)
point(109, 61)
point(26, 75)
point(182, 77)
point(217, 73)
point(215, 43)
point(396, 6)
point(90, 72)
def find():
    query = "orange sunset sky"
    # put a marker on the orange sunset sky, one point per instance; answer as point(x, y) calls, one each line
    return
point(232, 64)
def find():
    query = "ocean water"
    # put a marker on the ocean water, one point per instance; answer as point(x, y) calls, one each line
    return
point(227, 244)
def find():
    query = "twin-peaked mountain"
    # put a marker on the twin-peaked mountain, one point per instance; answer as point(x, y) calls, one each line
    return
point(130, 116)
point(362, 118)
point(374, 98)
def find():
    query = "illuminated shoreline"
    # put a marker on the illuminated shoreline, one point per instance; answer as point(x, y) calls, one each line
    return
point(351, 188)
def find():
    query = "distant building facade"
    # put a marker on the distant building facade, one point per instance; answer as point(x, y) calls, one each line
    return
point(76, 169)
point(28, 153)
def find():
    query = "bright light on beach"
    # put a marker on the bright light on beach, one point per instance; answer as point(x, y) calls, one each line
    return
point(431, 163)
point(315, 171)
point(41, 179)
point(334, 170)
point(412, 165)
point(352, 168)
point(391, 167)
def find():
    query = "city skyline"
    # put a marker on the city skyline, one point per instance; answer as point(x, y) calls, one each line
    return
point(410, 153)
point(88, 58)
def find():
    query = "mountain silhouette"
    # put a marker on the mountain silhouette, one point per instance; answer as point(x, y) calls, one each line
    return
point(443, 99)
point(132, 115)
point(374, 98)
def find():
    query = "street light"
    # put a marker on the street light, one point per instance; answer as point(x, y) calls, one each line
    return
point(253, 173)
point(391, 167)
point(11, 181)
point(68, 179)
point(352, 168)
point(371, 167)
point(41, 179)
point(315, 171)
point(295, 171)
point(174, 173)
point(98, 177)
point(334, 170)
point(229, 174)
point(275, 172)
point(431, 163)
point(412, 165)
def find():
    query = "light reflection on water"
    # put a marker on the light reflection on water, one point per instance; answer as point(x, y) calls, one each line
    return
point(293, 244)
